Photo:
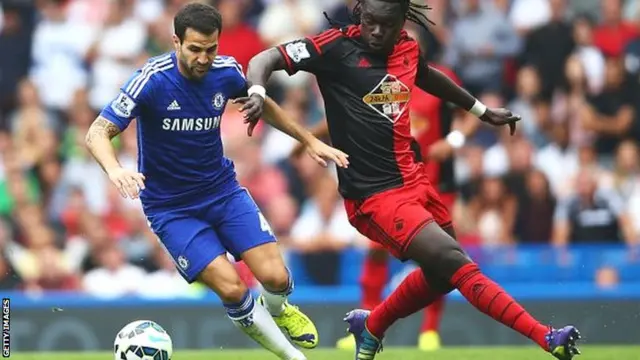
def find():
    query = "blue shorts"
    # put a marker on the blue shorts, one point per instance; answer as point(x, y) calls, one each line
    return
point(195, 235)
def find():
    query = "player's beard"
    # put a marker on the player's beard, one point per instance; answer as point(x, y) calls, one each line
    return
point(191, 69)
point(199, 71)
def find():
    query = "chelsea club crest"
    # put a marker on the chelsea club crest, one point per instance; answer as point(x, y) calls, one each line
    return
point(218, 101)
point(183, 262)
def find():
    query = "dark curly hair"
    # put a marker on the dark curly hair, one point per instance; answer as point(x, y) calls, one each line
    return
point(412, 12)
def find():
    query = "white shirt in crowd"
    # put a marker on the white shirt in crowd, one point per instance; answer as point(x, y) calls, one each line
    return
point(311, 224)
point(127, 280)
point(529, 14)
point(560, 167)
point(118, 46)
point(58, 61)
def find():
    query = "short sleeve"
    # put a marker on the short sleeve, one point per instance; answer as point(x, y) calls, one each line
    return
point(135, 93)
point(311, 54)
point(238, 82)
point(121, 110)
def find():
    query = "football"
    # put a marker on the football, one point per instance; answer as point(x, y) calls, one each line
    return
point(142, 340)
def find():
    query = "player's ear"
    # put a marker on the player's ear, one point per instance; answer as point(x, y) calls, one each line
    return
point(176, 42)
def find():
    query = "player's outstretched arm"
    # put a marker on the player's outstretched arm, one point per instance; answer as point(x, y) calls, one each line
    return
point(321, 130)
point(98, 142)
point(436, 83)
point(277, 117)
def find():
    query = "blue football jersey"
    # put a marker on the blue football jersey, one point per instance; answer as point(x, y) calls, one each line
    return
point(178, 128)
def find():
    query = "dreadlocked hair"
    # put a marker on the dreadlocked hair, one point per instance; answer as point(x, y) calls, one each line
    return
point(412, 12)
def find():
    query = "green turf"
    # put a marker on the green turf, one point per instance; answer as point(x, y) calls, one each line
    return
point(517, 353)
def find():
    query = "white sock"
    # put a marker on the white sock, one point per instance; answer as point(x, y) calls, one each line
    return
point(274, 301)
point(255, 321)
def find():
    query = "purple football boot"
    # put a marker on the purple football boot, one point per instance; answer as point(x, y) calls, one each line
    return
point(562, 342)
point(367, 345)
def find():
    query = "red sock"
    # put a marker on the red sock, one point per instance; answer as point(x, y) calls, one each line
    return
point(491, 299)
point(432, 316)
point(412, 295)
point(373, 279)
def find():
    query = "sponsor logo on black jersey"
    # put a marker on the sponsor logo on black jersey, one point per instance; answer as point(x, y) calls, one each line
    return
point(390, 98)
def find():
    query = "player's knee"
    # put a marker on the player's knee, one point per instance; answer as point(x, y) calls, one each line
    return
point(435, 249)
point(436, 282)
point(452, 260)
point(276, 279)
point(232, 292)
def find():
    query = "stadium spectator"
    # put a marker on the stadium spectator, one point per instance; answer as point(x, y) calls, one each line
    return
point(114, 277)
point(526, 15)
point(607, 277)
point(611, 113)
point(592, 215)
point(41, 264)
point(82, 172)
point(58, 69)
point(240, 40)
point(528, 90)
point(115, 52)
point(632, 51)
point(520, 156)
point(589, 54)
point(558, 161)
point(33, 128)
point(19, 188)
point(494, 210)
point(625, 179)
point(568, 100)
point(548, 46)
point(276, 25)
point(614, 33)
point(17, 21)
point(534, 221)
point(470, 171)
point(478, 56)
point(87, 12)
point(322, 230)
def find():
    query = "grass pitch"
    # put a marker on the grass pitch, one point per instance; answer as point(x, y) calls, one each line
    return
point(475, 353)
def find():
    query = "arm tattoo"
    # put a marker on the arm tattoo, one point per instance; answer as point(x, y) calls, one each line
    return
point(102, 128)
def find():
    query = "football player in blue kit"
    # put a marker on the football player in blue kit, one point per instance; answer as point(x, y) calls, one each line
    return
point(188, 188)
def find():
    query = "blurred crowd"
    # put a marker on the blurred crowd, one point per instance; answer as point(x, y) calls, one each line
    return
point(570, 175)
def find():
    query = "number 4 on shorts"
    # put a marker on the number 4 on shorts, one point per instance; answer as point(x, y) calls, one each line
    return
point(264, 224)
